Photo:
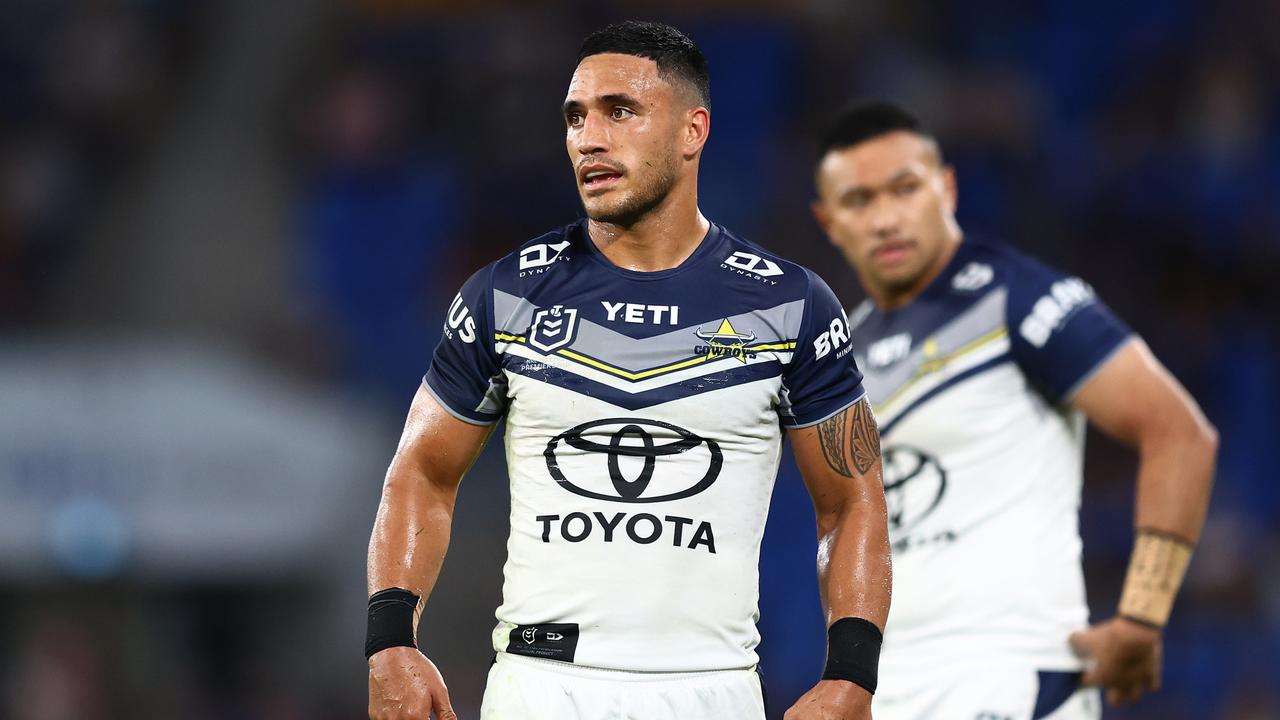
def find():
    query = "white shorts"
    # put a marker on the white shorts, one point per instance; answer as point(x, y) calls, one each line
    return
point(985, 692)
point(521, 688)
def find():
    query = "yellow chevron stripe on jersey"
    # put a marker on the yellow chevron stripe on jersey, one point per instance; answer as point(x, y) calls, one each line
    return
point(932, 366)
point(786, 346)
point(597, 364)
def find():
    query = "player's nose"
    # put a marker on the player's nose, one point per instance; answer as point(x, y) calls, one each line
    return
point(593, 137)
point(885, 219)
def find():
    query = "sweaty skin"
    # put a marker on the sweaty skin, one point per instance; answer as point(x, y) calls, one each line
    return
point(410, 536)
point(622, 117)
point(645, 135)
point(839, 459)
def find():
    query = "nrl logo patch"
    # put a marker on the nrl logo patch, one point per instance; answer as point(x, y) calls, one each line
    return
point(553, 328)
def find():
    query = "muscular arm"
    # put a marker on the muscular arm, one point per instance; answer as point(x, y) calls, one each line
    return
point(1136, 401)
point(410, 536)
point(411, 532)
point(840, 461)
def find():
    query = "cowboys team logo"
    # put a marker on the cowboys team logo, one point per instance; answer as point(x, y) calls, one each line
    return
point(629, 449)
point(725, 342)
point(553, 328)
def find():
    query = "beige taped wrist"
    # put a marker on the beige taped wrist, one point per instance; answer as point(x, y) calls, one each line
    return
point(1156, 569)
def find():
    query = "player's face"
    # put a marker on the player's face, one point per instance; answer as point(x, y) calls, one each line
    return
point(889, 205)
point(623, 128)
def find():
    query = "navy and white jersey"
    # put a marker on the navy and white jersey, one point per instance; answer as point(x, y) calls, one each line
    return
point(644, 413)
point(971, 384)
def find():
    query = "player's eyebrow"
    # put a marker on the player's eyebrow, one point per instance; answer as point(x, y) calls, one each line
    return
point(906, 172)
point(619, 99)
point(903, 174)
point(610, 100)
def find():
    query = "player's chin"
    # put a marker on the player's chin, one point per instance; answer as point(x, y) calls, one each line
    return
point(900, 276)
point(610, 210)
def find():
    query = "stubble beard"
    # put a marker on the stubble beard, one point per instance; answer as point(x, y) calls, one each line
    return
point(633, 207)
point(907, 280)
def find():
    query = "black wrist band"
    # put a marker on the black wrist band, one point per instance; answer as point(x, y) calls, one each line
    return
point(390, 620)
point(853, 652)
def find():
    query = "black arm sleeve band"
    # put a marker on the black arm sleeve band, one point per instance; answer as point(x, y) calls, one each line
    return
point(853, 652)
point(390, 620)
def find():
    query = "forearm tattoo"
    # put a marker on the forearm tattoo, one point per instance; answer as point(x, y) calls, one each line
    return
point(857, 440)
point(865, 436)
point(831, 432)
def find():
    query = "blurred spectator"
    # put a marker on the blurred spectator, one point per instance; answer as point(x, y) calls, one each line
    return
point(378, 217)
point(82, 84)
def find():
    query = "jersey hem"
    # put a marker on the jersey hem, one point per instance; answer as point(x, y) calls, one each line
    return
point(450, 409)
point(1070, 394)
point(599, 673)
point(828, 416)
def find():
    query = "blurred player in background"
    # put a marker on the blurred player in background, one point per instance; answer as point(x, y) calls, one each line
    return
point(982, 365)
point(646, 362)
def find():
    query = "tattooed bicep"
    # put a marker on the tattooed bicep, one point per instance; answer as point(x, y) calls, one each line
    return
point(851, 438)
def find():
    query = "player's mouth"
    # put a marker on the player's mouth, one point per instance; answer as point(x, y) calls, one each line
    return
point(599, 177)
point(893, 252)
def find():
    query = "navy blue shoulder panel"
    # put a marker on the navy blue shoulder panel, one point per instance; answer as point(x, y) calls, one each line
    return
point(725, 276)
point(465, 374)
point(975, 271)
point(465, 369)
point(1060, 333)
point(542, 260)
point(563, 278)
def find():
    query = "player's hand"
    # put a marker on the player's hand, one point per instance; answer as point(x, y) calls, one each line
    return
point(832, 700)
point(405, 685)
point(1123, 656)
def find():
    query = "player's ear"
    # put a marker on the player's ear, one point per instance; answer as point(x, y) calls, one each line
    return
point(697, 127)
point(821, 215)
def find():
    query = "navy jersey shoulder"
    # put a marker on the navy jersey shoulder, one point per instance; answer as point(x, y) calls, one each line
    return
point(726, 275)
point(1059, 332)
point(822, 379)
point(754, 264)
point(537, 261)
point(465, 375)
point(567, 254)
point(558, 295)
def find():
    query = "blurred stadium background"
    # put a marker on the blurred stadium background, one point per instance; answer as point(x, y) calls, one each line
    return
point(229, 231)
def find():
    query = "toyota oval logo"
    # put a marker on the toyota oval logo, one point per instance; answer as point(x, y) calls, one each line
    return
point(617, 439)
point(914, 484)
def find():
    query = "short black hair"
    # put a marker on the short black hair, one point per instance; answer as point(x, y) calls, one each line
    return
point(675, 53)
point(863, 121)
